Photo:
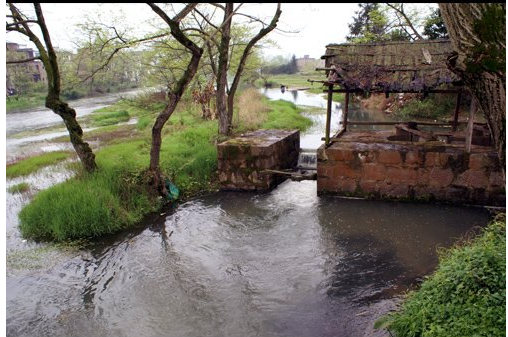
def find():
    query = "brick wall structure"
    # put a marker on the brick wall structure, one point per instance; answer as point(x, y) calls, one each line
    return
point(242, 160)
point(426, 171)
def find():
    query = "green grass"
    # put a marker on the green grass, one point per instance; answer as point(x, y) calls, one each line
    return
point(32, 164)
point(101, 203)
point(465, 296)
point(24, 102)
point(106, 116)
point(285, 115)
point(294, 80)
point(144, 122)
point(19, 188)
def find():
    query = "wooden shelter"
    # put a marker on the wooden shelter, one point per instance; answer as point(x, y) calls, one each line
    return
point(391, 67)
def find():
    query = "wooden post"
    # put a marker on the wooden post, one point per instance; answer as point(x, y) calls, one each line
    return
point(328, 114)
point(345, 112)
point(456, 114)
point(470, 124)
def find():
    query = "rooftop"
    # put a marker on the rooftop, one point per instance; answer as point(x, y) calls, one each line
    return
point(394, 66)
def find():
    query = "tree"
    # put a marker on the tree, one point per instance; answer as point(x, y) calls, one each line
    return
point(369, 25)
point(478, 35)
point(406, 21)
point(18, 22)
point(434, 27)
point(375, 22)
point(225, 93)
point(174, 93)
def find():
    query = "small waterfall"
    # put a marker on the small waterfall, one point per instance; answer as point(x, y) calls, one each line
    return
point(307, 160)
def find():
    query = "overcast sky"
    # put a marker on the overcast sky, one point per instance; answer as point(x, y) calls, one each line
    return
point(315, 24)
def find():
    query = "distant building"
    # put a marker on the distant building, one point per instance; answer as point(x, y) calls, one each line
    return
point(32, 70)
point(309, 64)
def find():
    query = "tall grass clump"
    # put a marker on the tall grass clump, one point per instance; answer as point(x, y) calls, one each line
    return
point(465, 296)
point(19, 188)
point(95, 204)
point(103, 118)
point(30, 165)
point(252, 111)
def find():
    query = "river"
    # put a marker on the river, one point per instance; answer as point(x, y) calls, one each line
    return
point(283, 263)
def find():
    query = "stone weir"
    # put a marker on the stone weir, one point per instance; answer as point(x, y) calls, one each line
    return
point(365, 165)
point(245, 162)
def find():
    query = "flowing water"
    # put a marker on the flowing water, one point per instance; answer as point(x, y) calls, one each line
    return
point(283, 263)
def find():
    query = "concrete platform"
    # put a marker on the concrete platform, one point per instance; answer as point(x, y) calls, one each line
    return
point(243, 161)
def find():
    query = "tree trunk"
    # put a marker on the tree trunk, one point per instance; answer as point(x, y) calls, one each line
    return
point(158, 180)
point(81, 147)
point(478, 34)
point(222, 73)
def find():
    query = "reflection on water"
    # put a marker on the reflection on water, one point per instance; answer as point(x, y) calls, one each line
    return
point(285, 263)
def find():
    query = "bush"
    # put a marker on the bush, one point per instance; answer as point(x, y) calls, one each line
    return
point(432, 107)
point(464, 297)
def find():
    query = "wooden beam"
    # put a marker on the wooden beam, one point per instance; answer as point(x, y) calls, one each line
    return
point(382, 91)
point(470, 125)
point(456, 113)
point(396, 122)
point(419, 133)
point(328, 114)
point(345, 112)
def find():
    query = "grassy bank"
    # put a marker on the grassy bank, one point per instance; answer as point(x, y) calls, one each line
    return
point(114, 198)
point(466, 295)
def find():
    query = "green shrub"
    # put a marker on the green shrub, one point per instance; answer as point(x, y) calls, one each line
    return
point(465, 296)
point(432, 107)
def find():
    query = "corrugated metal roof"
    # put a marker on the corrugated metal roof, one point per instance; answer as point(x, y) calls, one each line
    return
point(391, 66)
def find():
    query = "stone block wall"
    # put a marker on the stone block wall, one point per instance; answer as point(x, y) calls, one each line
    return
point(242, 160)
point(418, 171)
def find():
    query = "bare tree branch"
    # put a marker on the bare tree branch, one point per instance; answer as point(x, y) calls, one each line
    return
point(401, 12)
point(23, 61)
